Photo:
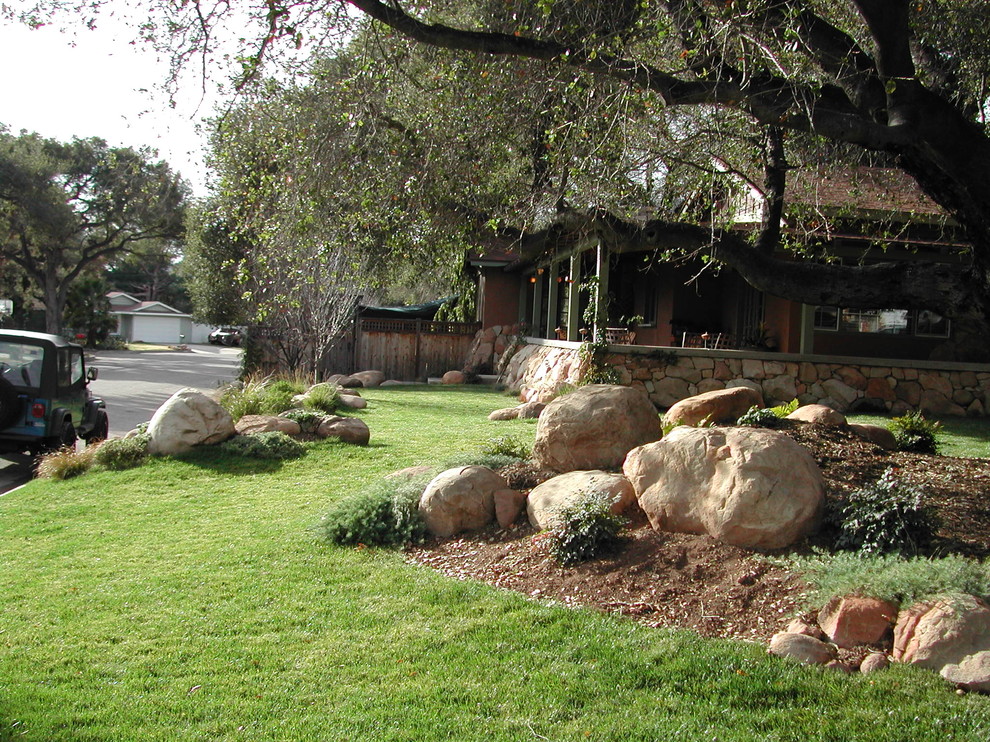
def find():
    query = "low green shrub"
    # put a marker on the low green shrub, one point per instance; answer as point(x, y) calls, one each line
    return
point(493, 461)
point(254, 396)
point(384, 514)
point(65, 463)
point(122, 453)
point(767, 417)
point(913, 432)
point(586, 529)
point(309, 420)
point(322, 397)
point(273, 445)
point(886, 516)
point(888, 576)
point(505, 445)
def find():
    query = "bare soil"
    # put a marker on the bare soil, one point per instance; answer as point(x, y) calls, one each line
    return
point(695, 582)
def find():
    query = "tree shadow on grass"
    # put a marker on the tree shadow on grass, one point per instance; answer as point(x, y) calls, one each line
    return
point(214, 459)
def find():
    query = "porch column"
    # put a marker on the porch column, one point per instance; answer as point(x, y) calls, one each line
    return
point(553, 292)
point(807, 344)
point(574, 299)
point(537, 305)
point(601, 296)
point(523, 298)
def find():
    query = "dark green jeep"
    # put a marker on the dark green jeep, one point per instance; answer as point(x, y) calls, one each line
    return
point(45, 402)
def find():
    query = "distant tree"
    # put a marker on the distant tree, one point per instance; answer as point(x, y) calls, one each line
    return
point(211, 267)
point(66, 207)
point(87, 309)
point(151, 274)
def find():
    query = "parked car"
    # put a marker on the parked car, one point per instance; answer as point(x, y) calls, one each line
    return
point(226, 336)
point(45, 401)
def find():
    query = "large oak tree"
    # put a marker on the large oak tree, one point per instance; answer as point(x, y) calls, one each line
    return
point(69, 207)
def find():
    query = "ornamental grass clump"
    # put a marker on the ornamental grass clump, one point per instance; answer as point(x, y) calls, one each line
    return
point(912, 432)
point(273, 446)
point(505, 445)
point(384, 514)
point(118, 454)
point(65, 463)
point(586, 529)
point(886, 516)
point(309, 420)
point(323, 398)
point(259, 396)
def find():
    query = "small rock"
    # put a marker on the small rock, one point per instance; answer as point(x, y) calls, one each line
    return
point(818, 414)
point(508, 505)
point(453, 377)
point(352, 402)
point(801, 648)
point(347, 429)
point(853, 620)
point(800, 626)
point(507, 413)
point(874, 662)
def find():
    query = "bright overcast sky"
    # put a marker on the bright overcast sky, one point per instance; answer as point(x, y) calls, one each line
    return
point(95, 84)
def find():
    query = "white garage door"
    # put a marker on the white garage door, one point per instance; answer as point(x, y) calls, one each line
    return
point(157, 329)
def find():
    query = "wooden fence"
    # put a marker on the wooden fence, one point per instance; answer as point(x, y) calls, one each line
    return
point(403, 349)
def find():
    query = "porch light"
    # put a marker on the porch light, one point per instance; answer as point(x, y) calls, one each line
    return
point(532, 279)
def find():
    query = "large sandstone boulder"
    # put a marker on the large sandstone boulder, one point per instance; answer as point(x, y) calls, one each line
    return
point(718, 406)
point(369, 379)
point(950, 635)
point(853, 620)
point(748, 487)
point(460, 499)
point(594, 427)
point(188, 418)
point(346, 429)
point(818, 414)
point(548, 498)
point(267, 424)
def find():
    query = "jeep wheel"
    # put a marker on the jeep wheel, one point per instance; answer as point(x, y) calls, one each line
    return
point(9, 404)
point(66, 438)
point(101, 429)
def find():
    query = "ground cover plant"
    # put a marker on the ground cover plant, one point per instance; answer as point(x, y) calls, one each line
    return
point(195, 599)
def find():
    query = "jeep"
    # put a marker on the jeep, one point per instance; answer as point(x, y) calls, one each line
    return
point(45, 402)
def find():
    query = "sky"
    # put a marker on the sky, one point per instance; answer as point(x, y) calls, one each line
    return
point(96, 84)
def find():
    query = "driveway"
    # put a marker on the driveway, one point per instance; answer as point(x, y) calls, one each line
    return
point(135, 383)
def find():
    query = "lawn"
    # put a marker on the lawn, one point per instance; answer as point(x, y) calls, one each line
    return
point(192, 600)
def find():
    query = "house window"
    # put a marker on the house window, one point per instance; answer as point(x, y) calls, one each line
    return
point(931, 324)
point(826, 318)
point(882, 321)
point(651, 300)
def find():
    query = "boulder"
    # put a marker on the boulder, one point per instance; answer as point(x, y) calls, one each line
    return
point(546, 499)
point(532, 409)
point(346, 429)
point(947, 635)
point(352, 401)
point(718, 406)
point(802, 648)
point(875, 434)
point(454, 377)
point(343, 380)
point(506, 413)
point(853, 620)
point(874, 662)
point(749, 487)
point(411, 472)
point(369, 378)
point(972, 673)
point(266, 424)
point(460, 499)
point(188, 418)
point(508, 505)
point(818, 414)
point(594, 427)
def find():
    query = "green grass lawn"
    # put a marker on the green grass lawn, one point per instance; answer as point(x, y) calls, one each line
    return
point(191, 600)
point(967, 437)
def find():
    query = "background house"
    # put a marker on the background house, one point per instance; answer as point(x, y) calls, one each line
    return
point(154, 321)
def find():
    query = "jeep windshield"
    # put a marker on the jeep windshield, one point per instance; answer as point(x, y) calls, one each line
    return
point(21, 364)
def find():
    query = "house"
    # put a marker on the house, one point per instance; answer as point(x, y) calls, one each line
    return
point(645, 299)
point(153, 321)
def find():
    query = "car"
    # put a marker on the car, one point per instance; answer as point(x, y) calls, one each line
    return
point(45, 401)
point(226, 336)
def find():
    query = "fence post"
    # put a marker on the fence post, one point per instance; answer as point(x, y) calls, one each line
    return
point(419, 338)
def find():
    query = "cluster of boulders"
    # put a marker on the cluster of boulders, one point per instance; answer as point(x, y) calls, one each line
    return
point(191, 418)
point(751, 487)
point(949, 634)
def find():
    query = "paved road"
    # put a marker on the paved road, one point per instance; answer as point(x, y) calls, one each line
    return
point(134, 385)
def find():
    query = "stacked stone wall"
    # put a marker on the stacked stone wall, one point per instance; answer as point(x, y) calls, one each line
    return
point(540, 368)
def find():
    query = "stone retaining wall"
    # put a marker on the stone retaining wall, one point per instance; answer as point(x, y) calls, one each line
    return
point(539, 368)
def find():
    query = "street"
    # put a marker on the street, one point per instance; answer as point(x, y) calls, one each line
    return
point(134, 384)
